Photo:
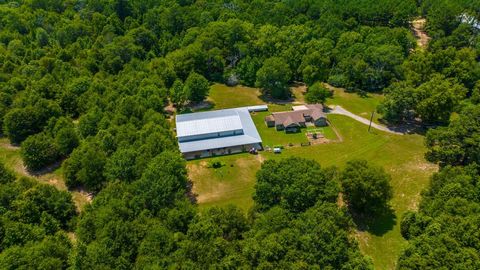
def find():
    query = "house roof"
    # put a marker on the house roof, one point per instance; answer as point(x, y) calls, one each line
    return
point(213, 122)
point(317, 115)
point(289, 122)
point(293, 116)
point(298, 114)
point(269, 118)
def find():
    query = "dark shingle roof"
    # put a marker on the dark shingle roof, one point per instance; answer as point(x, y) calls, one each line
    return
point(286, 118)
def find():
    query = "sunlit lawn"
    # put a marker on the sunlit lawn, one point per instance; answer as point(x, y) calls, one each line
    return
point(231, 184)
point(363, 106)
point(401, 156)
point(271, 137)
point(224, 97)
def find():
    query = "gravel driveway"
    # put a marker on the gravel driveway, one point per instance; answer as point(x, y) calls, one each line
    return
point(339, 110)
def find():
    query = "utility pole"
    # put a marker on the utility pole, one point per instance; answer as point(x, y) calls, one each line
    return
point(371, 119)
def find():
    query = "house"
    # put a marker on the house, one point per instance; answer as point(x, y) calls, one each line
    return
point(221, 132)
point(299, 117)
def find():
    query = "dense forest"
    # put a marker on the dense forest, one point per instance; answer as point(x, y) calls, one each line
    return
point(85, 83)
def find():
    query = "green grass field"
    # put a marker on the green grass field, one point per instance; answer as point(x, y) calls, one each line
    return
point(363, 106)
point(230, 184)
point(271, 137)
point(401, 156)
point(224, 97)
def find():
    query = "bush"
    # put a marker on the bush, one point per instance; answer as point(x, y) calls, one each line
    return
point(6, 176)
point(215, 163)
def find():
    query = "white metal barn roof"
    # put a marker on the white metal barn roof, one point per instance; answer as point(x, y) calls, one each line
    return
point(203, 123)
point(257, 108)
point(216, 121)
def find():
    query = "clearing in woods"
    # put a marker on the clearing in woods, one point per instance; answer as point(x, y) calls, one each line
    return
point(52, 175)
point(418, 27)
point(402, 156)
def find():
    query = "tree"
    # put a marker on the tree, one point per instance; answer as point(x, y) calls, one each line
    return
point(122, 166)
point(30, 206)
point(273, 78)
point(178, 96)
point(247, 69)
point(196, 87)
point(277, 235)
point(443, 232)
point(66, 140)
point(19, 124)
point(438, 98)
point(39, 151)
point(317, 93)
point(366, 188)
point(85, 167)
point(50, 253)
point(162, 183)
point(88, 123)
point(458, 143)
point(6, 176)
point(294, 183)
point(399, 103)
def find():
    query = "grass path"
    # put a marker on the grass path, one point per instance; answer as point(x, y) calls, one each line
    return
point(11, 156)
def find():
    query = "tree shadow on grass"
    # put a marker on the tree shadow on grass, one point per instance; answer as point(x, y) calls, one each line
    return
point(192, 196)
point(47, 169)
point(269, 99)
point(378, 224)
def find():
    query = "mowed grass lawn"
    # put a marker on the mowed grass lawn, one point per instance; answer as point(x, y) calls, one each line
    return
point(225, 97)
point(231, 184)
point(271, 137)
point(401, 156)
point(359, 105)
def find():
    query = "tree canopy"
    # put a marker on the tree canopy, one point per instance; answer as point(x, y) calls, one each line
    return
point(87, 83)
point(366, 188)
